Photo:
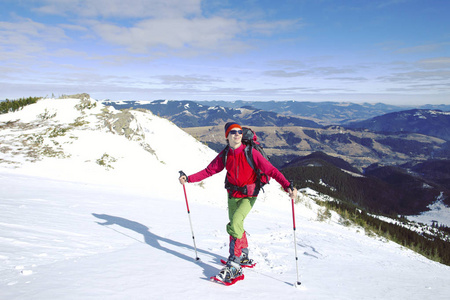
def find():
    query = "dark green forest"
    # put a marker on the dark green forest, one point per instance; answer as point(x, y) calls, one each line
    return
point(400, 194)
point(14, 105)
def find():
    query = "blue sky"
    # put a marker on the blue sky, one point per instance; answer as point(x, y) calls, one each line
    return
point(391, 51)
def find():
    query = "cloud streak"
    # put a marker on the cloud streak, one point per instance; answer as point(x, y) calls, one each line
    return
point(121, 9)
point(175, 34)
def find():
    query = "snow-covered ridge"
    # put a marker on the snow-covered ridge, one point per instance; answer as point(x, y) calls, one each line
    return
point(423, 115)
point(133, 146)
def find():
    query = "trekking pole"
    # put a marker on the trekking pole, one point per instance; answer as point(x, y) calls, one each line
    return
point(189, 214)
point(295, 240)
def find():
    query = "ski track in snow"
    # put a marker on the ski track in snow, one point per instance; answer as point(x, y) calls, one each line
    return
point(70, 229)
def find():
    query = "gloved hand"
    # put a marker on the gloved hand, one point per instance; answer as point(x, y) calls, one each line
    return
point(183, 178)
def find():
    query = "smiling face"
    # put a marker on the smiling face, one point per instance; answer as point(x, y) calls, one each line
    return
point(235, 138)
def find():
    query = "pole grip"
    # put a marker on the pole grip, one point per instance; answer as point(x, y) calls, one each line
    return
point(182, 174)
point(184, 189)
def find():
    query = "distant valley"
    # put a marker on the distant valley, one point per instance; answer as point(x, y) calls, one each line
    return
point(361, 148)
point(390, 136)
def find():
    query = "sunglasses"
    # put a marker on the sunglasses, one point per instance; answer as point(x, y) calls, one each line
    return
point(236, 131)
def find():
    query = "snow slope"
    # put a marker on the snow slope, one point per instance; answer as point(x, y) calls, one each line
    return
point(438, 212)
point(71, 228)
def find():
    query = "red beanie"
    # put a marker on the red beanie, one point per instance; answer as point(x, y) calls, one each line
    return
point(230, 126)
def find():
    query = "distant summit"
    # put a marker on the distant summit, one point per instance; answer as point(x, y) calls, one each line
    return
point(424, 121)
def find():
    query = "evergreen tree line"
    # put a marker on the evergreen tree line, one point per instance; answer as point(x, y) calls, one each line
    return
point(371, 193)
point(14, 105)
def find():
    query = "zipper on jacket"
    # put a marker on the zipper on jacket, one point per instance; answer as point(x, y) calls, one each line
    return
point(236, 165)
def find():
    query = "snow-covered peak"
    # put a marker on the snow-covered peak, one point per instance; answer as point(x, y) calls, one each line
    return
point(84, 140)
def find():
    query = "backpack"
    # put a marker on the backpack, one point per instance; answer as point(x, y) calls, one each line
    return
point(249, 139)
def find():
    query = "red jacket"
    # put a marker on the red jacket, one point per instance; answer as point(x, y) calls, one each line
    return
point(239, 172)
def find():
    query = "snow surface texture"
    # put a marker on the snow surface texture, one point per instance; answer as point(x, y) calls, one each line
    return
point(73, 228)
point(438, 212)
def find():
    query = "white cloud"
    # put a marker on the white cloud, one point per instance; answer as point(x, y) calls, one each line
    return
point(282, 73)
point(186, 80)
point(30, 29)
point(174, 33)
point(418, 76)
point(152, 26)
point(419, 49)
point(24, 39)
point(121, 8)
point(156, 28)
point(269, 28)
point(435, 63)
point(74, 27)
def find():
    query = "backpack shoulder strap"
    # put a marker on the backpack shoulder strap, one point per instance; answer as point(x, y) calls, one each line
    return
point(249, 156)
point(225, 154)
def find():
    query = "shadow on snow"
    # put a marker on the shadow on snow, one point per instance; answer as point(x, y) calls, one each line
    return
point(154, 241)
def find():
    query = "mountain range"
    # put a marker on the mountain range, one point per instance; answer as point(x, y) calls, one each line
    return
point(327, 112)
point(195, 113)
point(374, 117)
point(424, 121)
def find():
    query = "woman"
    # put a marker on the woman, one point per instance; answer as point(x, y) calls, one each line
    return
point(243, 190)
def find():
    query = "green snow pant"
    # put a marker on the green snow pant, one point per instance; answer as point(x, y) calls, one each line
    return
point(238, 209)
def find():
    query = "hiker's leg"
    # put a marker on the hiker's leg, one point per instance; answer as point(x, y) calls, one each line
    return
point(238, 209)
